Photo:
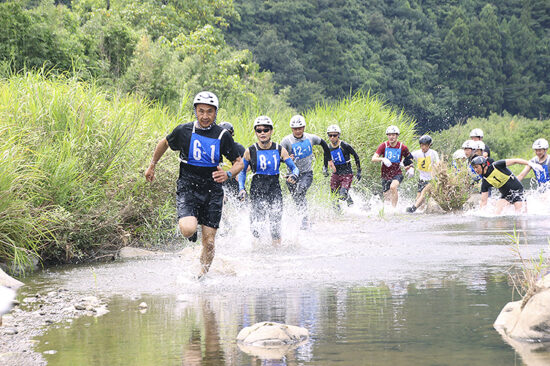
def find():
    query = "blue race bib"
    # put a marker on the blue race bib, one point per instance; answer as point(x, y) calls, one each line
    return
point(542, 177)
point(393, 154)
point(267, 162)
point(338, 156)
point(204, 151)
point(302, 149)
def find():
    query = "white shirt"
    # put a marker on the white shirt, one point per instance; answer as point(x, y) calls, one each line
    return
point(425, 162)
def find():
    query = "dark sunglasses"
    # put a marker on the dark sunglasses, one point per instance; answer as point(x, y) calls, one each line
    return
point(264, 130)
point(332, 135)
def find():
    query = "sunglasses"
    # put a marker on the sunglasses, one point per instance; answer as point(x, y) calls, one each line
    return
point(332, 135)
point(264, 130)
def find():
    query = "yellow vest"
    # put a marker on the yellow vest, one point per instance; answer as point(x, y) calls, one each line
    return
point(497, 178)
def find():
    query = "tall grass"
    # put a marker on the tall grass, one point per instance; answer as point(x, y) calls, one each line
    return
point(72, 159)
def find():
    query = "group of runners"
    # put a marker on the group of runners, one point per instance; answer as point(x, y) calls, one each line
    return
point(203, 144)
point(496, 174)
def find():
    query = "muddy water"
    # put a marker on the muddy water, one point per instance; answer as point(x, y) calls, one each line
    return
point(372, 289)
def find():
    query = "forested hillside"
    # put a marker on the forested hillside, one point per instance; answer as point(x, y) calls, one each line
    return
point(440, 61)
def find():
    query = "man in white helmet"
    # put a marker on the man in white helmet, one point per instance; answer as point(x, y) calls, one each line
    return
point(201, 145)
point(541, 160)
point(300, 146)
point(390, 154)
point(341, 152)
point(477, 135)
point(266, 198)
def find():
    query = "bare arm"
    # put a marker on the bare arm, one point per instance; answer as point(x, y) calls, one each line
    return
point(516, 161)
point(524, 172)
point(160, 149)
point(484, 197)
point(221, 175)
point(376, 158)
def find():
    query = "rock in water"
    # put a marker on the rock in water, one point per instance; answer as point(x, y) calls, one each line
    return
point(272, 334)
point(269, 340)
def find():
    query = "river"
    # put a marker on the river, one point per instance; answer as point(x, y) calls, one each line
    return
point(372, 288)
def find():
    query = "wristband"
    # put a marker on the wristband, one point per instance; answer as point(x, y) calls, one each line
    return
point(229, 174)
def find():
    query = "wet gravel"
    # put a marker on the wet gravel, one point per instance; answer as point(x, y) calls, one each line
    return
point(34, 315)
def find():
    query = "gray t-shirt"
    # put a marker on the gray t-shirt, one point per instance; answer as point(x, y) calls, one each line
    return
point(302, 149)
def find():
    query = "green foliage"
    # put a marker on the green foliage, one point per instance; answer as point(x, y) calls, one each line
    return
point(451, 185)
point(443, 62)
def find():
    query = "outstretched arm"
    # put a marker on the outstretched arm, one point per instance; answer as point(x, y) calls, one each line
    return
point(516, 161)
point(524, 172)
point(160, 149)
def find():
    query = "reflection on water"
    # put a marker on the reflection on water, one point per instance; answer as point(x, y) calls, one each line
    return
point(444, 322)
point(392, 290)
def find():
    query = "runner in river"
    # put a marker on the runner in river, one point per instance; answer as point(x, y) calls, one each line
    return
point(390, 154)
point(477, 135)
point(199, 187)
point(541, 159)
point(300, 144)
point(341, 152)
point(426, 159)
point(499, 176)
point(266, 198)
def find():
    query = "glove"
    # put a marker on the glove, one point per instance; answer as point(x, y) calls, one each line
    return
point(292, 178)
point(358, 175)
point(386, 162)
point(536, 167)
point(410, 172)
point(325, 171)
point(242, 195)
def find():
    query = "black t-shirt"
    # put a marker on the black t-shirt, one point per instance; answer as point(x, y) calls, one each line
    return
point(347, 151)
point(511, 184)
point(180, 139)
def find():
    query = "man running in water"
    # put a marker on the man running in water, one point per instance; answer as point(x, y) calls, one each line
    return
point(266, 198)
point(426, 158)
point(300, 144)
point(541, 159)
point(390, 154)
point(499, 176)
point(341, 152)
point(199, 187)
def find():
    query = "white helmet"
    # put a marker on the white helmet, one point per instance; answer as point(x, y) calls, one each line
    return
point(392, 129)
point(469, 144)
point(206, 97)
point(262, 121)
point(333, 128)
point(297, 121)
point(476, 132)
point(459, 154)
point(479, 145)
point(540, 144)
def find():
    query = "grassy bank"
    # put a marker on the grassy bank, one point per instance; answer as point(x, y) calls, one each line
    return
point(72, 159)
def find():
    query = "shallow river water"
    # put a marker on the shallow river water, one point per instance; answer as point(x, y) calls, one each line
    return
point(371, 288)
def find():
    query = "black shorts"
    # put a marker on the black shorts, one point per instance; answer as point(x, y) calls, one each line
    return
point(422, 184)
point(513, 195)
point(386, 183)
point(200, 198)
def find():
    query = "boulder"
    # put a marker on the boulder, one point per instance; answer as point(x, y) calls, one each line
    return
point(268, 340)
point(8, 281)
point(269, 334)
point(530, 324)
